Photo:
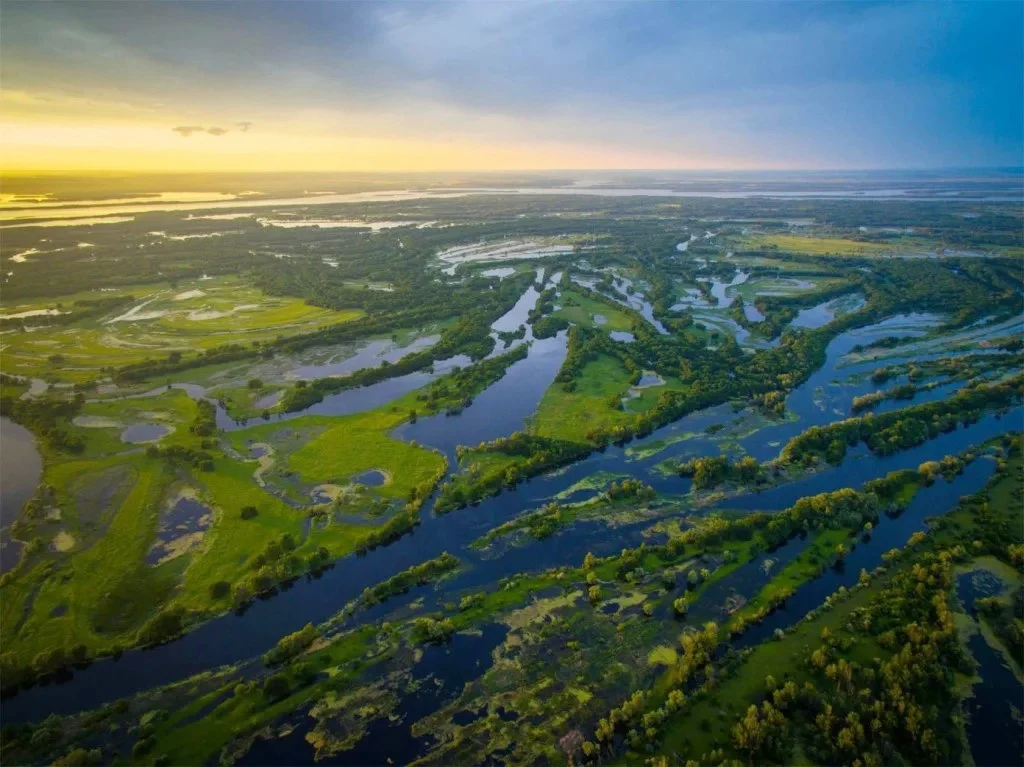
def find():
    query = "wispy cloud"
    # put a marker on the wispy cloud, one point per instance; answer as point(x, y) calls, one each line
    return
point(214, 130)
point(809, 82)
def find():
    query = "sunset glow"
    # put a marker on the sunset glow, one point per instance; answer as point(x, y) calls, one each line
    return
point(507, 85)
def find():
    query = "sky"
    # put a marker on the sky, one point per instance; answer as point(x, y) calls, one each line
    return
point(494, 85)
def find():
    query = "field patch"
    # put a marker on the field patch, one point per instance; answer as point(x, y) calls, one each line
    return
point(160, 320)
point(817, 246)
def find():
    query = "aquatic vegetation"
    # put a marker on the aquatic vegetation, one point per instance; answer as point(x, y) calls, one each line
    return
point(593, 607)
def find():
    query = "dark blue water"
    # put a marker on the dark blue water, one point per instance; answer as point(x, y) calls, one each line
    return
point(498, 411)
point(889, 533)
point(144, 432)
point(994, 730)
point(185, 517)
point(820, 315)
point(371, 478)
point(21, 466)
point(233, 637)
point(369, 355)
point(463, 658)
point(861, 465)
point(519, 313)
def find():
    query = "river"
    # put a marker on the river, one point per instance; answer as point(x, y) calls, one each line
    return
point(21, 466)
point(503, 407)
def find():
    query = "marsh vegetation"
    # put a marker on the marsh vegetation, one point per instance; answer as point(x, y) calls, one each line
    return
point(366, 495)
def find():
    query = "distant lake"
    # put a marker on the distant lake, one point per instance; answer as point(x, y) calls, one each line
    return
point(951, 192)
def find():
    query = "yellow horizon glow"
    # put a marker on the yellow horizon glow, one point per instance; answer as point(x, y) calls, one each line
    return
point(39, 134)
point(47, 147)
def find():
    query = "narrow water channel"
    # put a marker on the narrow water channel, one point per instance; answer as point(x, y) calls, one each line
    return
point(21, 466)
point(236, 637)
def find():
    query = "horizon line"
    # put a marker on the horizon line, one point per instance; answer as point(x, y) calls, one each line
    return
point(795, 169)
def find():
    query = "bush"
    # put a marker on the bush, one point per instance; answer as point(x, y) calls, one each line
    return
point(220, 589)
point(143, 747)
point(248, 512)
point(289, 646)
point(276, 687)
point(162, 626)
point(79, 757)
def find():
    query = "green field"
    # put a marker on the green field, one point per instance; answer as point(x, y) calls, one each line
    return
point(189, 317)
point(344, 446)
point(570, 415)
point(584, 311)
point(817, 246)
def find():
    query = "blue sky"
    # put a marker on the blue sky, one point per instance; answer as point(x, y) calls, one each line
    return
point(494, 84)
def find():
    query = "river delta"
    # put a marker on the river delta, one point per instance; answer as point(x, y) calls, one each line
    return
point(464, 476)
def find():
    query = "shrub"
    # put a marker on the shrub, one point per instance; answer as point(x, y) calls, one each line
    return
point(276, 687)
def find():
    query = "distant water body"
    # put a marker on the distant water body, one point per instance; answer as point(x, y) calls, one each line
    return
point(996, 189)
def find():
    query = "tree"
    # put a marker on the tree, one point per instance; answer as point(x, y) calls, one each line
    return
point(749, 734)
point(79, 757)
point(276, 687)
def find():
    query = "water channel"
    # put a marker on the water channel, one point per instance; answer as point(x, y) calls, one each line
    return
point(503, 408)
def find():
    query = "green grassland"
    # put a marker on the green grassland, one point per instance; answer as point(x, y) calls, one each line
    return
point(570, 415)
point(582, 310)
point(89, 583)
point(197, 316)
point(85, 582)
point(344, 446)
point(241, 401)
point(817, 246)
point(780, 265)
point(753, 288)
point(566, 658)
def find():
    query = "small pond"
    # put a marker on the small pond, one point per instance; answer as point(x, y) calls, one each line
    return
point(649, 378)
point(182, 524)
point(145, 432)
point(501, 272)
point(371, 478)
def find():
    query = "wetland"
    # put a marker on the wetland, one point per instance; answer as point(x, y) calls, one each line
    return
point(582, 479)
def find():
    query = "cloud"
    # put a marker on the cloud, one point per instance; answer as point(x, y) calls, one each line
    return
point(770, 82)
point(213, 130)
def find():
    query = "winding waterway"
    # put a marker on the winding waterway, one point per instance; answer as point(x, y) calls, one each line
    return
point(502, 408)
point(21, 466)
